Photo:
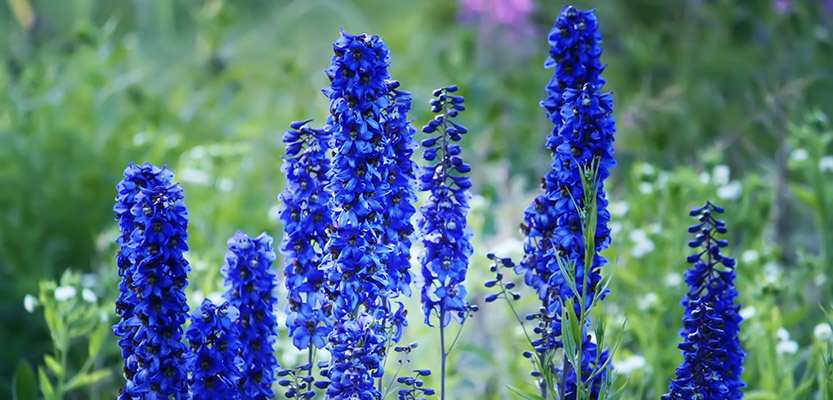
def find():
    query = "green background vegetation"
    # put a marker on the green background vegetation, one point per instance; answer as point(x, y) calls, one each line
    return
point(207, 87)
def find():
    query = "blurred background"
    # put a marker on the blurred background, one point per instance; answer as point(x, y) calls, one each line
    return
point(715, 99)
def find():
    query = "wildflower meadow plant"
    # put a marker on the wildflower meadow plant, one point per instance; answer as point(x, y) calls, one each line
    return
point(712, 355)
point(251, 282)
point(153, 222)
point(442, 223)
point(567, 226)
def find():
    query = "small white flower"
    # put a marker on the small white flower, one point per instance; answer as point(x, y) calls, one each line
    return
point(749, 256)
point(88, 296)
point(748, 312)
point(772, 273)
point(786, 347)
point(273, 213)
point(782, 334)
point(64, 293)
point(195, 176)
point(826, 164)
point(704, 178)
point(225, 184)
point(799, 155)
point(731, 191)
point(647, 300)
point(642, 245)
point(673, 279)
point(822, 331)
point(721, 174)
point(646, 169)
point(630, 364)
point(820, 279)
point(646, 187)
point(655, 228)
point(30, 302)
point(618, 209)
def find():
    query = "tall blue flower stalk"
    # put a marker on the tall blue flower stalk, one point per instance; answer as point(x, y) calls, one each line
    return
point(712, 356)
point(366, 257)
point(251, 283)
point(442, 224)
point(214, 360)
point(153, 221)
point(559, 237)
point(305, 214)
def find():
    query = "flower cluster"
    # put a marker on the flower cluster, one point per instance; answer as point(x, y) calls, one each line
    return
point(360, 344)
point(305, 214)
point(713, 359)
point(213, 360)
point(399, 201)
point(357, 180)
point(414, 386)
point(153, 221)
point(442, 223)
point(251, 282)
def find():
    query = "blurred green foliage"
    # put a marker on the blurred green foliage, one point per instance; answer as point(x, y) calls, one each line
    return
point(703, 87)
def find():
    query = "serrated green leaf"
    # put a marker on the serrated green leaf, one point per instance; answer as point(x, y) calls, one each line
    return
point(24, 386)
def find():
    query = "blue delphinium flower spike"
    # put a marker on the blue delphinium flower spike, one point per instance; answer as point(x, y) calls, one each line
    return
point(305, 214)
point(154, 271)
point(213, 361)
point(712, 356)
point(582, 145)
point(251, 282)
point(359, 346)
point(442, 223)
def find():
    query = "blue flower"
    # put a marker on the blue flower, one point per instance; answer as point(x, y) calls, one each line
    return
point(213, 360)
point(305, 213)
point(251, 284)
point(442, 223)
point(153, 222)
point(582, 144)
point(712, 357)
point(358, 346)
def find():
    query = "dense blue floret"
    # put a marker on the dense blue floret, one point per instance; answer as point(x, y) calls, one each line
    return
point(360, 344)
point(305, 214)
point(713, 359)
point(214, 360)
point(250, 283)
point(153, 221)
point(442, 223)
point(371, 183)
point(582, 143)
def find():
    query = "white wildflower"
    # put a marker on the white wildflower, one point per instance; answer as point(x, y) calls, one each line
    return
point(799, 155)
point(822, 331)
point(30, 302)
point(704, 177)
point(630, 364)
point(646, 187)
point(826, 164)
point(748, 312)
point(721, 174)
point(673, 279)
point(194, 176)
point(88, 296)
point(618, 209)
point(647, 300)
point(749, 256)
point(64, 293)
point(646, 169)
point(782, 334)
point(225, 184)
point(642, 245)
point(731, 191)
point(786, 347)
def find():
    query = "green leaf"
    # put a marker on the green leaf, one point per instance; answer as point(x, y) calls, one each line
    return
point(805, 195)
point(45, 385)
point(23, 382)
point(519, 394)
point(53, 365)
point(760, 395)
point(81, 380)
